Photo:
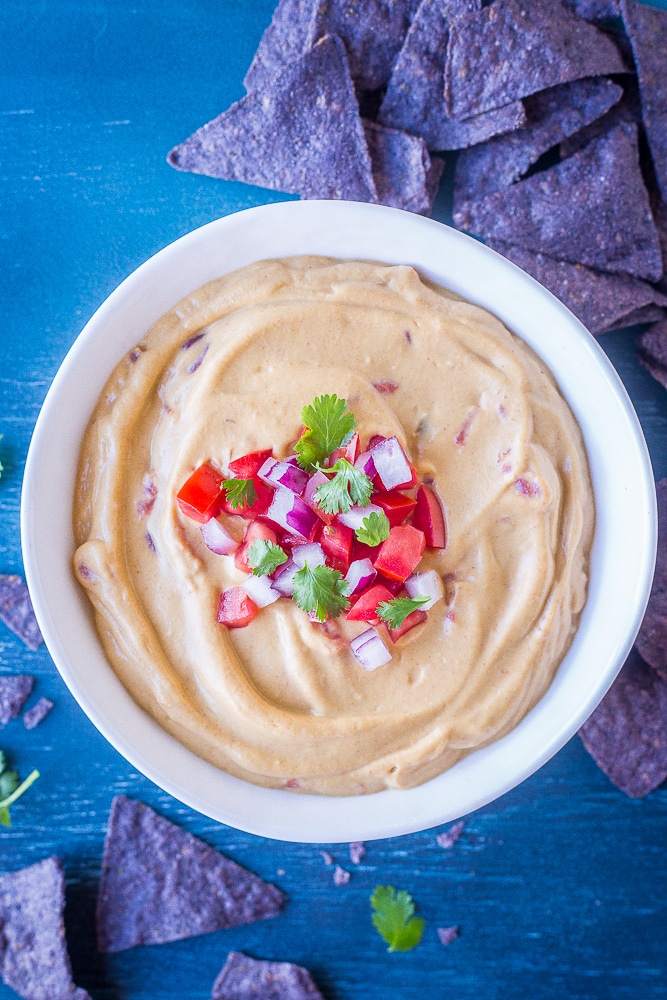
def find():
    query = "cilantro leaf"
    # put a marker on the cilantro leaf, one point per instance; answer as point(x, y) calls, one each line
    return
point(322, 590)
point(374, 529)
point(327, 426)
point(395, 612)
point(11, 789)
point(348, 486)
point(394, 918)
point(264, 557)
point(240, 492)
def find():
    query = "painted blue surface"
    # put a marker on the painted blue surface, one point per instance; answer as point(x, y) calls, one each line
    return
point(559, 888)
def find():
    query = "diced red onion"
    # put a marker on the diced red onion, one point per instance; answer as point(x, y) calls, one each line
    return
point(283, 474)
point(428, 583)
point(391, 463)
point(292, 513)
point(217, 538)
point(355, 515)
point(366, 464)
point(360, 575)
point(311, 553)
point(369, 650)
point(317, 479)
point(283, 581)
point(259, 589)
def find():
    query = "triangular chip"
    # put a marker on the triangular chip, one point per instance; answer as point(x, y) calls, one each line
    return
point(512, 48)
point(601, 301)
point(244, 978)
point(302, 135)
point(626, 112)
point(594, 10)
point(551, 116)
point(16, 611)
point(33, 952)
point(627, 733)
point(647, 29)
point(284, 40)
point(415, 101)
point(591, 209)
point(652, 638)
point(160, 883)
point(14, 689)
point(405, 175)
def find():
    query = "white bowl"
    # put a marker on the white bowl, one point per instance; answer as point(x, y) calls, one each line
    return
point(622, 559)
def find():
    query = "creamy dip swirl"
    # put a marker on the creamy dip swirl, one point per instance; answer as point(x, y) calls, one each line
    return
point(283, 702)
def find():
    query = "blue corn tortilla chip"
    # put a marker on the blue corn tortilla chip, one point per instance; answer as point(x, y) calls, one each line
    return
point(14, 689)
point(514, 48)
point(627, 733)
point(652, 349)
point(303, 135)
point(160, 883)
point(551, 116)
point(16, 610)
point(372, 32)
point(415, 101)
point(594, 10)
point(37, 713)
point(284, 40)
point(647, 29)
point(652, 639)
point(244, 978)
point(33, 952)
point(405, 176)
point(601, 301)
point(626, 112)
point(591, 209)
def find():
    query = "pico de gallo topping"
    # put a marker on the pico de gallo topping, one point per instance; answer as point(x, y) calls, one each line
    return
point(331, 527)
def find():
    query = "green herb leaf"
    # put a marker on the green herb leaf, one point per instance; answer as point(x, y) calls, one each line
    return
point(240, 492)
point(374, 529)
point(264, 557)
point(394, 918)
point(322, 590)
point(327, 426)
point(348, 486)
point(11, 789)
point(395, 612)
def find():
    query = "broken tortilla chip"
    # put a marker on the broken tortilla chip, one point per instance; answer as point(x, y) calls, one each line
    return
point(33, 953)
point(312, 145)
point(512, 48)
point(627, 733)
point(244, 978)
point(415, 102)
point(600, 300)
point(16, 611)
point(591, 209)
point(160, 883)
point(14, 689)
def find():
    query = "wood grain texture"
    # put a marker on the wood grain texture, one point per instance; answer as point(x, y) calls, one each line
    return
point(559, 887)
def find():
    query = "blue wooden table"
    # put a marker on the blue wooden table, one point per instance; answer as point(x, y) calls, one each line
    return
point(559, 887)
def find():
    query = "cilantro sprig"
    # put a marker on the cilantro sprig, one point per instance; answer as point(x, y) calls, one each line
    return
point(240, 492)
point(11, 788)
point(264, 557)
point(349, 485)
point(374, 529)
point(395, 612)
point(393, 918)
point(322, 590)
point(328, 427)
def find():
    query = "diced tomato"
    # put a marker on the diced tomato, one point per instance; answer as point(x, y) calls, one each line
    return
point(397, 506)
point(336, 540)
point(349, 452)
point(396, 586)
point(429, 518)
point(361, 551)
point(260, 505)
point(414, 618)
point(254, 531)
point(235, 608)
point(400, 554)
point(376, 440)
point(365, 607)
point(200, 496)
point(247, 466)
